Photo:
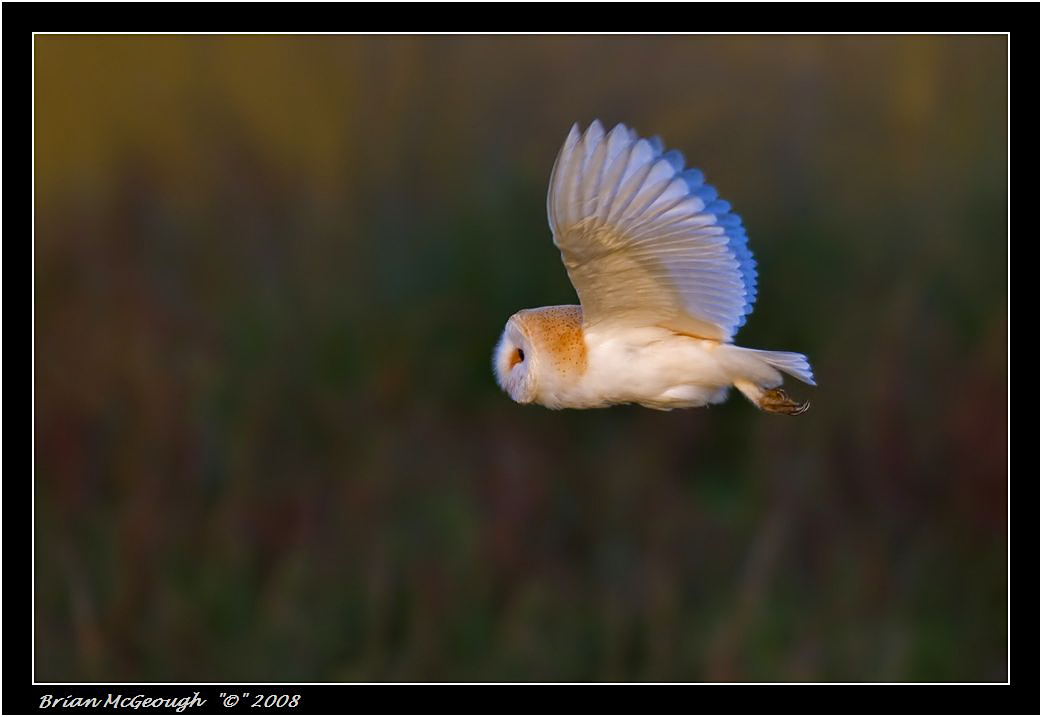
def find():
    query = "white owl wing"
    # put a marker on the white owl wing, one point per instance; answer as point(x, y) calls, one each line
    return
point(644, 241)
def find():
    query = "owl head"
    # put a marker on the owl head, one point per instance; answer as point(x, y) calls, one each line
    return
point(514, 360)
point(541, 353)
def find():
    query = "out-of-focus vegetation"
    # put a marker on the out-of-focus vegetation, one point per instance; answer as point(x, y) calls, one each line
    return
point(269, 274)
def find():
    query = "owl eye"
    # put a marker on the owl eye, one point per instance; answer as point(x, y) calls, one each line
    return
point(517, 358)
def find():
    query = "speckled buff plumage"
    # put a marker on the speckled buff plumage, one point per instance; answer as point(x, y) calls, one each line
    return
point(665, 278)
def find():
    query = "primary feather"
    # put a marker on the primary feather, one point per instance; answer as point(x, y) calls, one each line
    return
point(646, 242)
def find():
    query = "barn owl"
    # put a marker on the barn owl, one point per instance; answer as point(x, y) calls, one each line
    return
point(664, 278)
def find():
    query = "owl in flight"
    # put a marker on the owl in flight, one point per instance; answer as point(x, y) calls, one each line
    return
point(664, 278)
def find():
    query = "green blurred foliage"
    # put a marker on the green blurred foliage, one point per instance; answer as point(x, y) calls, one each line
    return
point(269, 274)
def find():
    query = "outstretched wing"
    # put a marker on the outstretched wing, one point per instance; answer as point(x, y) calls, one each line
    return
point(646, 242)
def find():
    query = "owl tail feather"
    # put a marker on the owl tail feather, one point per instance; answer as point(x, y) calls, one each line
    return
point(756, 375)
point(791, 363)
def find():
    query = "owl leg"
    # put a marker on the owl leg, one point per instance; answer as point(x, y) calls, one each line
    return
point(772, 400)
point(775, 401)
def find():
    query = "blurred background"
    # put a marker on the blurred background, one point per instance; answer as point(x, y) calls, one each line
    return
point(269, 275)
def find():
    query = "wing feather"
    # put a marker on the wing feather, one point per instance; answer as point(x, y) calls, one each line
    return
point(646, 241)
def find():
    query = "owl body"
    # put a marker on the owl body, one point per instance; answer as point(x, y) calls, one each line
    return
point(656, 368)
point(545, 356)
point(665, 278)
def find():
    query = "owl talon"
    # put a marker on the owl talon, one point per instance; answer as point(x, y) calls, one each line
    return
point(776, 401)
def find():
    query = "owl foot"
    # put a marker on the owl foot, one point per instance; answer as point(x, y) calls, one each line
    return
point(776, 401)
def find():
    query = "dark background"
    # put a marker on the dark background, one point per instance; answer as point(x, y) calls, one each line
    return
point(269, 274)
